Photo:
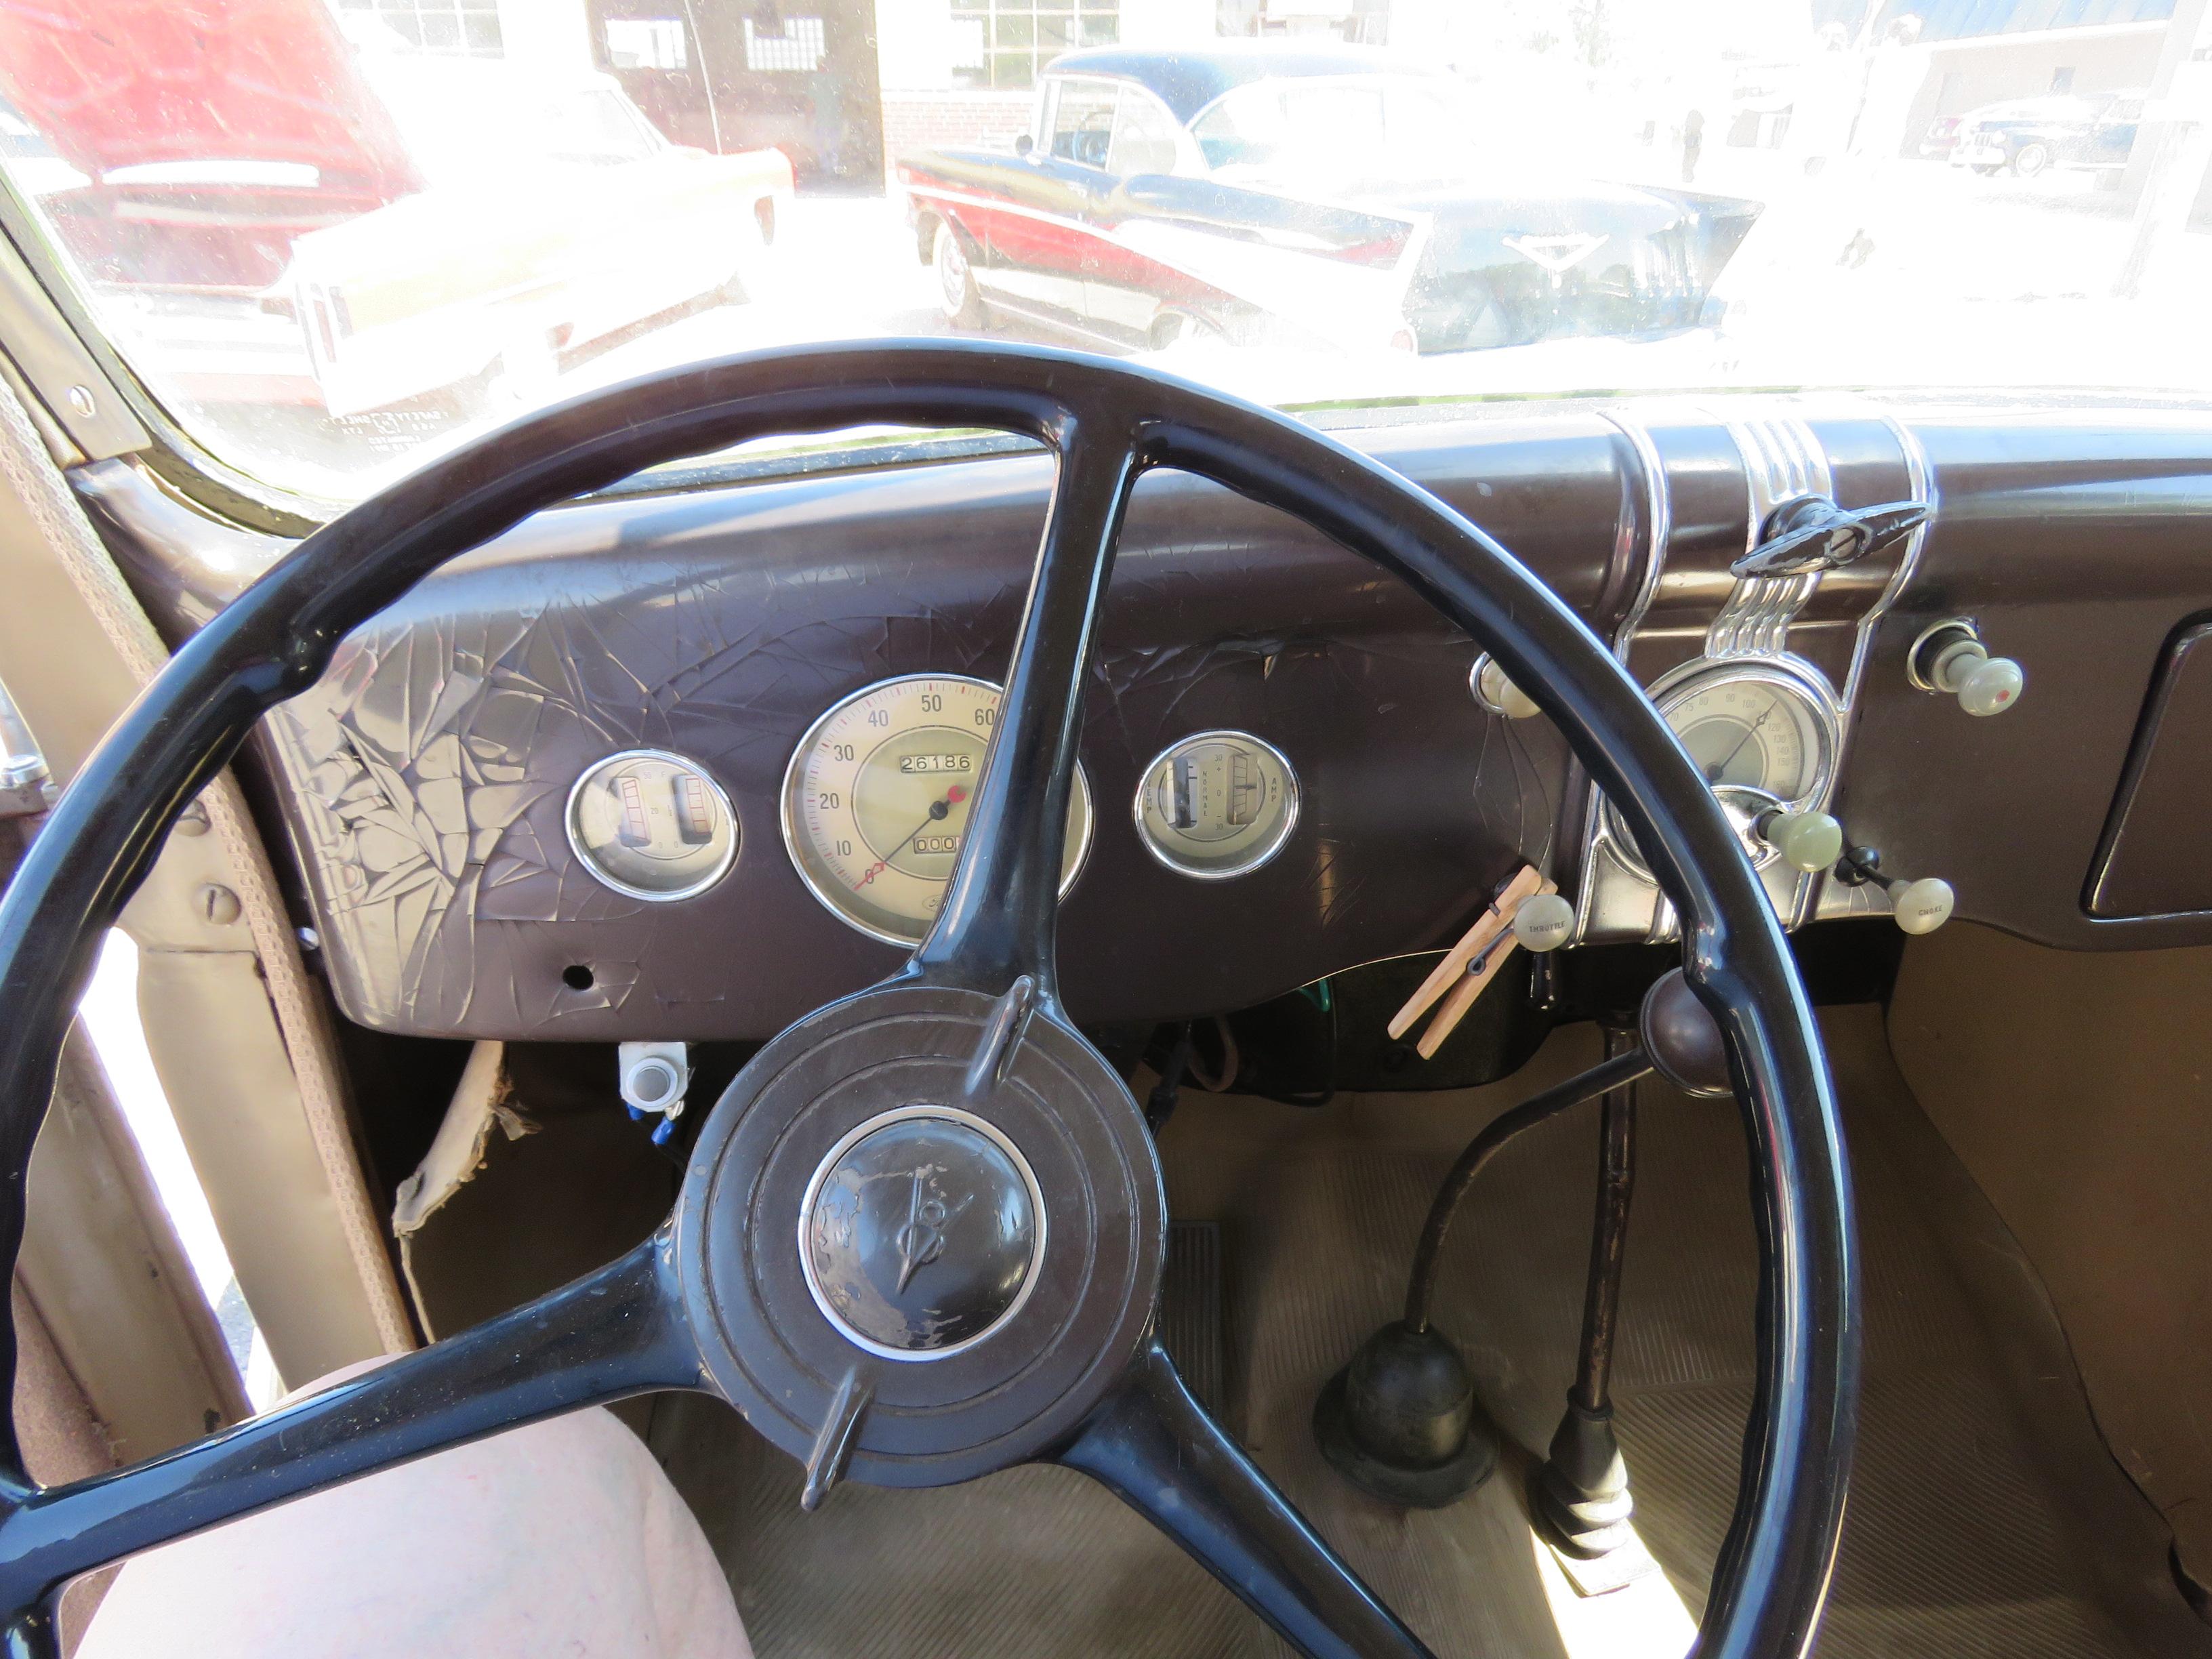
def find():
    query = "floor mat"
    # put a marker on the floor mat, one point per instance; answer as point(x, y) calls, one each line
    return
point(1984, 1518)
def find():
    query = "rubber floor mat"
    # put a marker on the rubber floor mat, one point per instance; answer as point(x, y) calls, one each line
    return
point(1985, 1517)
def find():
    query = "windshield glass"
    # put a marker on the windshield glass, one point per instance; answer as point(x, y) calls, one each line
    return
point(334, 237)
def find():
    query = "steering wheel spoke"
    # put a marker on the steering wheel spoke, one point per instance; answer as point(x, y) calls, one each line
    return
point(610, 1335)
point(1155, 1447)
point(998, 921)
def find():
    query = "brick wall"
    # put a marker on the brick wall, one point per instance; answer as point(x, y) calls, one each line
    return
point(923, 120)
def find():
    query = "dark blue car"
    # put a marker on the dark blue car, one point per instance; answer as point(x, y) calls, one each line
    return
point(2034, 135)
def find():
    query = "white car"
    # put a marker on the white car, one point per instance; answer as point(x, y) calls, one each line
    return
point(556, 215)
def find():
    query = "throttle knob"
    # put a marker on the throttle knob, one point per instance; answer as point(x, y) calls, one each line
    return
point(1950, 657)
point(1543, 922)
point(1806, 840)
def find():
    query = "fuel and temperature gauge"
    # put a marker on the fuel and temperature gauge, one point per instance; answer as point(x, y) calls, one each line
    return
point(651, 824)
point(1217, 805)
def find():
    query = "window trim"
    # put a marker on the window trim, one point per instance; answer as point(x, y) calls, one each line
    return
point(1190, 161)
point(169, 450)
point(1113, 84)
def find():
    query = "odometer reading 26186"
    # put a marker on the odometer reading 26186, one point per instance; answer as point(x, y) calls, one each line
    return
point(876, 800)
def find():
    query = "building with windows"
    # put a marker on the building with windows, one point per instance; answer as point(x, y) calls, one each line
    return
point(1972, 54)
point(845, 86)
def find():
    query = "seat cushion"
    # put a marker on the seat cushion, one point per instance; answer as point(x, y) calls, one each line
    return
point(561, 1537)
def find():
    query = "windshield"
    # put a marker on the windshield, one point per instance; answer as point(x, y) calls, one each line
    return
point(332, 238)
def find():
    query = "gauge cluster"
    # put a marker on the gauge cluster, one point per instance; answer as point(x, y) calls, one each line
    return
point(876, 803)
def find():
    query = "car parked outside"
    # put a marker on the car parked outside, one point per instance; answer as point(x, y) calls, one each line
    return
point(285, 212)
point(2032, 136)
point(1287, 194)
point(1942, 137)
point(555, 215)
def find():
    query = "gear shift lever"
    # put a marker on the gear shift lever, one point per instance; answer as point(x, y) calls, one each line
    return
point(1402, 1420)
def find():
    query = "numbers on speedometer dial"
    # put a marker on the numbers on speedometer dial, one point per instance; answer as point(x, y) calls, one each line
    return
point(1751, 733)
point(876, 798)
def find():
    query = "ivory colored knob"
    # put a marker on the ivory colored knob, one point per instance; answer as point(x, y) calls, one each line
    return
point(1543, 922)
point(1806, 840)
point(1991, 686)
point(1984, 685)
point(1501, 694)
point(1922, 906)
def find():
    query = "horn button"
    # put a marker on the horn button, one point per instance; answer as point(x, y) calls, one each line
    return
point(977, 1267)
point(920, 1232)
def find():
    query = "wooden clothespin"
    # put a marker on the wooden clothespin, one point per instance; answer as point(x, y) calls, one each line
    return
point(1470, 965)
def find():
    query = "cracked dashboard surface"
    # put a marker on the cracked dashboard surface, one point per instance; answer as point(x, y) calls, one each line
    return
point(429, 776)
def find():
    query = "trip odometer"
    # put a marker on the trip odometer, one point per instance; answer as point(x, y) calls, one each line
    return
point(876, 798)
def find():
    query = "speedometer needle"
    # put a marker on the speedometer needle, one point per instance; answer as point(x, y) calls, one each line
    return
point(1714, 774)
point(937, 810)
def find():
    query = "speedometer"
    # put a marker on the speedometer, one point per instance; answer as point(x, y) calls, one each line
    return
point(877, 797)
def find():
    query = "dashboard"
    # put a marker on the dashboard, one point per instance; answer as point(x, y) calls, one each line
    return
point(687, 764)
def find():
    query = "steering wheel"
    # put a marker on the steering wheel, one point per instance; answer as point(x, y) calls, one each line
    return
point(1006, 1315)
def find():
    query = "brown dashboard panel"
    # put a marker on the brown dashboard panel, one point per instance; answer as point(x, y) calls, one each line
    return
point(430, 768)
point(422, 780)
point(2077, 541)
point(2154, 860)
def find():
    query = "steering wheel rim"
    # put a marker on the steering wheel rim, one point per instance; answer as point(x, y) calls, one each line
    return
point(625, 1330)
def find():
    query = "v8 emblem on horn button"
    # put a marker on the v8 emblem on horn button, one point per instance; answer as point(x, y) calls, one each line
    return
point(922, 1187)
point(922, 1239)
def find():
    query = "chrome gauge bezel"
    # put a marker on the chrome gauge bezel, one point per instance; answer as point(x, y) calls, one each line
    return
point(793, 832)
point(1260, 852)
point(1693, 679)
point(606, 878)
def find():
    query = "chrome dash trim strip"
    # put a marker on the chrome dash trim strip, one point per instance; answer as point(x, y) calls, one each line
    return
point(1782, 460)
point(1833, 898)
point(1659, 513)
point(1920, 484)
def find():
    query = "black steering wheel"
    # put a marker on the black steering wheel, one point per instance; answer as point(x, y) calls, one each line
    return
point(1045, 1237)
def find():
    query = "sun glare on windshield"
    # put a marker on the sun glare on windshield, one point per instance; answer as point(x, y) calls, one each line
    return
point(333, 237)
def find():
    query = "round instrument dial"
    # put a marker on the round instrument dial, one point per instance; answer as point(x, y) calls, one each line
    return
point(651, 824)
point(1759, 738)
point(1217, 805)
point(1754, 733)
point(877, 797)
